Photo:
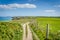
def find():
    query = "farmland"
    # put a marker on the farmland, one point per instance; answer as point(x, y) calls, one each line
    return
point(13, 30)
point(54, 28)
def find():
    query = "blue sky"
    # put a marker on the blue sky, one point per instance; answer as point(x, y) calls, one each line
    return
point(29, 7)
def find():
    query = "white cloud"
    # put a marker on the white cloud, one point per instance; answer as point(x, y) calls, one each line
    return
point(32, 0)
point(50, 11)
point(57, 6)
point(15, 5)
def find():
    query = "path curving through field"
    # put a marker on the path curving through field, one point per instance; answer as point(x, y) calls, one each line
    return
point(24, 31)
point(27, 36)
point(29, 33)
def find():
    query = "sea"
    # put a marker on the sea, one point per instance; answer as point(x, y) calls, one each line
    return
point(5, 19)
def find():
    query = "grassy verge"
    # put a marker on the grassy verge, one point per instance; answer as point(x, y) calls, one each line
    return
point(10, 31)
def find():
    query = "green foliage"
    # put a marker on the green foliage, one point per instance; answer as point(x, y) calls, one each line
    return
point(10, 31)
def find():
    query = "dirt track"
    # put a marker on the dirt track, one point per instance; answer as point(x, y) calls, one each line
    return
point(29, 33)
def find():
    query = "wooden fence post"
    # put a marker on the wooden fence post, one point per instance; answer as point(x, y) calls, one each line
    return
point(47, 32)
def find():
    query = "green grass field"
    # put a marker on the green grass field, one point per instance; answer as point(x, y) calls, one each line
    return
point(54, 28)
point(13, 30)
